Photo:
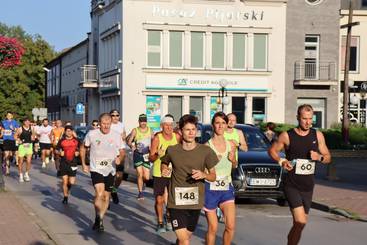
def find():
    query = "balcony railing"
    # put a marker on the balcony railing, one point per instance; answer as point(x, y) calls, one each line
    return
point(89, 75)
point(322, 72)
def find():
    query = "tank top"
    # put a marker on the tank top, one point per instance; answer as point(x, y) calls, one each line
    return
point(143, 140)
point(224, 166)
point(233, 136)
point(299, 148)
point(26, 135)
point(163, 145)
point(57, 132)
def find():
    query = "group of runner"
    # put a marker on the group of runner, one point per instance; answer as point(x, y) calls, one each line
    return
point(187, 176)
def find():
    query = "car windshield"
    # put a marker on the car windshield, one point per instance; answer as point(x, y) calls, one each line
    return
point(256, 141)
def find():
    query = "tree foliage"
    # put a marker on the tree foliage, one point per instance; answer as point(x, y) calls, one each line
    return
point(22, 87)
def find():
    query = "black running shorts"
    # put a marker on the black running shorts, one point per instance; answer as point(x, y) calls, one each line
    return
point(298, 198)
point(98, 178)
point(184, 218)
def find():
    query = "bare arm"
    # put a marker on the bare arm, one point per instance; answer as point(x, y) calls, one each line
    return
point(82, 153)
point(131, 138)
point(324, 156)
point(243, 145)
point(17, 134)
point(120, 158)
point(210, 176)
point(275, 149)
point(153, 151)
point(232, 155)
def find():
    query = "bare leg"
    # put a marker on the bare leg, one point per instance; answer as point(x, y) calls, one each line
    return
point(299, 222)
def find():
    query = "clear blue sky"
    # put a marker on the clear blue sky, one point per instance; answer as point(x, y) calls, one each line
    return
point(62, 23)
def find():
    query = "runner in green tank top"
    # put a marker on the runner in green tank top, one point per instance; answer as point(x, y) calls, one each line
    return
point(235, 134)
point(220, 193)
point(139, 141)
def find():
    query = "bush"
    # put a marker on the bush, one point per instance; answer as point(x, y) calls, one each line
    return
point(280, 127)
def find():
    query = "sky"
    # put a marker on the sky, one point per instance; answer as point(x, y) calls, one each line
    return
point(62, 23)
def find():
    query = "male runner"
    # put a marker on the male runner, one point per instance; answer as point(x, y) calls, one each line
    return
point(186, 192)
point(56, 134)
point(67, 149)
point(139, 141)
point(118, 127)
point(304, 146)
point(10, 126)
point(25, 136)
point(235, 134)
point(44, 133)
point(106, 152)
point(158, 148)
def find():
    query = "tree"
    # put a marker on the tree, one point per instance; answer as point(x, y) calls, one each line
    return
point(22, 87)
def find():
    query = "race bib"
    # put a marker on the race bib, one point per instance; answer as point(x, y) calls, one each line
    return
point(8, 132)
point(101, 164)
point(146, 157)
point(186, 196)
point(305, 167)
point(221, 184)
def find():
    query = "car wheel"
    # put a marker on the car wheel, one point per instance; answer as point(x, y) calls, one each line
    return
point(282, 202)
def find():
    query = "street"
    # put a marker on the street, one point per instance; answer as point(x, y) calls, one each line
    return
point(133, 222)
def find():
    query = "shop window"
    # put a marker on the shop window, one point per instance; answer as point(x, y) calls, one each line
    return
point(239, 50)
point(196, 107)
point(154, 48)
point(175, 48)
point(175, 106)
point(258, 110)
point(197, 49)
point(354, 54)
point(218, 50)
point(238, 108)
point(260, 51)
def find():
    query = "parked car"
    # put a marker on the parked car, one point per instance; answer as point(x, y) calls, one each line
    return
point(257, 175)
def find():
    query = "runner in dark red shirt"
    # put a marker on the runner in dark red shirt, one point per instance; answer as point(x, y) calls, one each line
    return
point(68, 149)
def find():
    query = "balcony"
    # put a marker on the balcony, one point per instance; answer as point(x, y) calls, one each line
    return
point(315, 74)
point(89, 75)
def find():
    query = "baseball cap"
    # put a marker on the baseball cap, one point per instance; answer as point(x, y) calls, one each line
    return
point(69, 127)
point(142, 118)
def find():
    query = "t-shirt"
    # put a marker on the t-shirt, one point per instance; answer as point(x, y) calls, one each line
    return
point(184, 192)
point(45, 133)
point(119, 128)
point(69, 147)
point(104, 148)
point(10, 127)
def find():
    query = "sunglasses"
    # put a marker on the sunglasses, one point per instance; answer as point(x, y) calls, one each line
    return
point(115, 115)
point(94, 125)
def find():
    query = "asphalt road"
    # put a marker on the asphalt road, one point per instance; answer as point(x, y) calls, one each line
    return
point(133, 222)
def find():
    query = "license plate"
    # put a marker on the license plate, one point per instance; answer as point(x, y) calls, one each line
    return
point(264, 182)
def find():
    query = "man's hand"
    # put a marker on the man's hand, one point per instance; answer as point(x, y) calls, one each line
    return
point(76, 153)
point(197, 174)
point(166, 172)
point(287, 165)
point(85, 169)
point(315, 156)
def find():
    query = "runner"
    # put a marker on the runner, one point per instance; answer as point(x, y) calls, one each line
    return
point(94, 125)
point(304, 146)
point(235, 134)
point(10, 126)
point(220, 193)
point(158, 148)
point(44, 133)
point(118, 127)
point(68, 150)
point(270, 133)
point(106, 150)
point(56, 134)
point(24, 136)
point(139, 141)
point(186, 192)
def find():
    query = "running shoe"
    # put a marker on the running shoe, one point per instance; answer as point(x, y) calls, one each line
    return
point(7, 171)
point(21, 179)
point(98, 224)
point(65, 200)
point(161, 228)
point(168, 223)
point(114, 196)
point(26, 177)
point(47, 160)
point(140, 196)
point(43, 165)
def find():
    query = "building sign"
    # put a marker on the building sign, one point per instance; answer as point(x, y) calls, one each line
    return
point(209, 14)
point(153, 111)
point(214, 106)
point(204, 82)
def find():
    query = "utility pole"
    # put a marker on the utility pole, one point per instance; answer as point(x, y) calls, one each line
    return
point(349, 25)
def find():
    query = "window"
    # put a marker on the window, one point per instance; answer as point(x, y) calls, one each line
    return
point(175, 106)
point(258, 110)
point(238, 108)
point(218, 46)
point(311, 60)
point(175, 48)
point(260, 51)
point(154, 48)
point(196, 107)
point(313, 2)
point(239, 50)
point(354, 54)
point(364, 3)
point(197, 49)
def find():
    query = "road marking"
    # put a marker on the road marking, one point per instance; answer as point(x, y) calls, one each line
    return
point(278, 216)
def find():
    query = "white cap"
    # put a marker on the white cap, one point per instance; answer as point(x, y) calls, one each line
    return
point(167, 120)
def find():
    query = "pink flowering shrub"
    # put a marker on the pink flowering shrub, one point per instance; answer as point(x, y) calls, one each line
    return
point(11, 51)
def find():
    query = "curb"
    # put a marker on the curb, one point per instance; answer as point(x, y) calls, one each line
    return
point(338, 211)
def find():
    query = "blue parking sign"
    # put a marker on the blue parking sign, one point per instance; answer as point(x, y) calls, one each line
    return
point(79, 109)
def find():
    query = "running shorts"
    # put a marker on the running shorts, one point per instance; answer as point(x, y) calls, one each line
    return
point(25, 149)
point(139, 160)
point(98, 178)
point(298, 198)
point(67, 169)
point(184, 218)
point(45, 146)
point(159, 185)
point(9, 145)
point(213, 199)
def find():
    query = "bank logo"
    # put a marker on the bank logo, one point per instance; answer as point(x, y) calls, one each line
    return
point(182, 81)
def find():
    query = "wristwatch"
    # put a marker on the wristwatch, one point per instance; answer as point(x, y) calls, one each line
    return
point(281, 160)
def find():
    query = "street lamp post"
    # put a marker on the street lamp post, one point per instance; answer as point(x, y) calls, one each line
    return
point(222, 93)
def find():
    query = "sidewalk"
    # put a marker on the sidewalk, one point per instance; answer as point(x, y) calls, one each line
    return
point(18, 225)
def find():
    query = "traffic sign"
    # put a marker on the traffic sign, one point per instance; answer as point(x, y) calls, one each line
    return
point(79, 108)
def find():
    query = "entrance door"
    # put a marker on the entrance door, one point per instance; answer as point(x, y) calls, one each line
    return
point(238, 108)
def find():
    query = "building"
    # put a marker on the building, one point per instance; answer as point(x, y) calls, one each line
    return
point(312, 48)
point(63, 78)
point(358, 60)
point(159, 57)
